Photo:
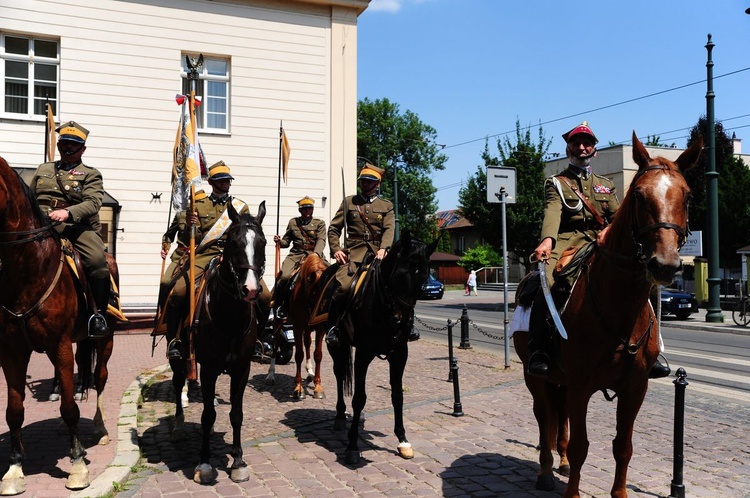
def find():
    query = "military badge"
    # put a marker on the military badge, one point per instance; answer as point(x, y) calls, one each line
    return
point(380, 216)
point(602, 189)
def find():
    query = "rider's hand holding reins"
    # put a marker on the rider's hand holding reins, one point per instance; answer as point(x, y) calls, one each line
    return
point(60, 215)
point(341, 257)
point(380, 254)
point(543, 250)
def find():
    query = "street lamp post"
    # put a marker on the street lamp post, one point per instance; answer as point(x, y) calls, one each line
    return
point(395, 200)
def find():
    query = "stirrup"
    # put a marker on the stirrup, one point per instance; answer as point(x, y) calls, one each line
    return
point(173, 350)
point(659, 370)
point(332, 336)
point(414, 334)
point(97, 327)
point(539, 364)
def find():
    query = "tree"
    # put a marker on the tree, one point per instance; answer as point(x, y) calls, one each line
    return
point(524, 218)
point(402, 144)
point(480, 256)
point(733, 187)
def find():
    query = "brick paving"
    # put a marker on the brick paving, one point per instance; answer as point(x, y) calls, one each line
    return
point(291, 449)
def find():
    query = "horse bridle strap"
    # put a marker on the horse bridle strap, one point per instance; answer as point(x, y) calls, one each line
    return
point(36, 234)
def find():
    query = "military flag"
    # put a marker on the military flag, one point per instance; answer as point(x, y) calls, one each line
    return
point(189, 163)
point(50, 138)
point(285, 151)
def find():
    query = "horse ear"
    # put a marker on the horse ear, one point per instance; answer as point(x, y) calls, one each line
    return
point(640, 154)
point(261, 212)
point(688, 158)
point(233, 215)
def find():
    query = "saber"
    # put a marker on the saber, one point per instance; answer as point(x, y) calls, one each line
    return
point(550, 303)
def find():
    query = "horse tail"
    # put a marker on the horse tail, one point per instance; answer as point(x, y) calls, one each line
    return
point(85, 358)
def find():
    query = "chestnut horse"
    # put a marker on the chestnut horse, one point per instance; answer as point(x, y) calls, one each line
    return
point(227, 328)
point(613, 335)
point(41, 310)
point(382, 320)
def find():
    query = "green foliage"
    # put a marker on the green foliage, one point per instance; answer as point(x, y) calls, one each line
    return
point(401, 142)
point(524, 218)
point(733, 188)
point(480, 256)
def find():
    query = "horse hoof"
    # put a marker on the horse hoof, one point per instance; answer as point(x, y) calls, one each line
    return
point(270, 381)
point(78, 396)
point(310, 377)
point(54, 397)
point(545, 482)
point(10, 487)
point(339, 425)
point(240, 474)
point(564, 470)
point(319, 394)
point(79, 476)
point(352, 457)
point(405, 451)
point(298, 394)
point(204, 474)
point(103, 440)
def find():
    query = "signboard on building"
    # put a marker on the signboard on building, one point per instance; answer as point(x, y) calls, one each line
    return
point(693, 245)
point(498, 178)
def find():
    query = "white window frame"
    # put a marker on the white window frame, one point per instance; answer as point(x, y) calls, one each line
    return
point(214, 106)
point(31, 59)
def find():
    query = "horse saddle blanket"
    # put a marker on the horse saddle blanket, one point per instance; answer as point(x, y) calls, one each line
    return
point(327, 288)
point(73, 260)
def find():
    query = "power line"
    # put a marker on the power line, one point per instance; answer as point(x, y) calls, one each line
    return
point(628, 101)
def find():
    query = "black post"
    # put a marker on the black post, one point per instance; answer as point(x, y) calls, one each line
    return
point(465, 344)
point(450, 350)
point(678, 489)
point(457, 408)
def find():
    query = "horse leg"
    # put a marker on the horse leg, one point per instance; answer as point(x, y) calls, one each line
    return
point(299, 357)
point(179, 374)
point(239, 471)
point(545, 412)
point(341, 356)
point(628, 405)
point(15, 368)
point(396, 364)
point(578, 447)
point(204, 473)
point(101, 375)
point(318, 392)
point(308, 355)
point(361, 363)
point(562, 432)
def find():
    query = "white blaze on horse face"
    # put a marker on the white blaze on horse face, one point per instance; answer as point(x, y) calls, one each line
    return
point(251, 284)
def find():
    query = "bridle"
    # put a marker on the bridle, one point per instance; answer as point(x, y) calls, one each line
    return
point(36, 234)
point(232, 284)
point(639, 232)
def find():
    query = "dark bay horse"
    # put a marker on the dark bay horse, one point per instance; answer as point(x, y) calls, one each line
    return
point(226, 333)
point(613, 336)
point(382, 321)
point(41, 310)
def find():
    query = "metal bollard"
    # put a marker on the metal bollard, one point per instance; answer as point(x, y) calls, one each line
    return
point(450, 350)
point(465, 344)
point(678, 488)
point(457, 408)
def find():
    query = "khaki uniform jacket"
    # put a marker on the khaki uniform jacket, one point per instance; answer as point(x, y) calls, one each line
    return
point(359, 241)
point(314, 242)
point(566, 219)
point(82, 184)
point(209, 211)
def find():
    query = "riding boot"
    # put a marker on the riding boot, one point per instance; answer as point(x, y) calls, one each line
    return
point(659, 370)
point(97, 323)
point(335, 313)
point(173, 319)
point(539, 335)
point(414, 334)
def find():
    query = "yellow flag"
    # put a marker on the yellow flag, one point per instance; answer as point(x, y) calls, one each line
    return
point(186, 162)
point(50, 138)
point(285, 151)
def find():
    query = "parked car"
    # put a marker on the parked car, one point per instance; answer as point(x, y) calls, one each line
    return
point(432, 289)
point(678, 303)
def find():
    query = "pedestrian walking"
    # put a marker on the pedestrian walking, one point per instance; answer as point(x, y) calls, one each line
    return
point(471, 283)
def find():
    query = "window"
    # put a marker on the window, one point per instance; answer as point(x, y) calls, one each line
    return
point(29, 71)
point(213, 88)
point(461, 245)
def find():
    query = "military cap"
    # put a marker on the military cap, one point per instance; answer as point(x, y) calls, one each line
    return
point(72, 131)
point(306, 202)
point(581, 128)
point(219, 171)
point(371, 172)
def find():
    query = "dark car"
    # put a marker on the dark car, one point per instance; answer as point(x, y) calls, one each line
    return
point(678, 303)
point(432, 289)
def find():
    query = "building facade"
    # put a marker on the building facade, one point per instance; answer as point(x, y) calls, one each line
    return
point(115, 66)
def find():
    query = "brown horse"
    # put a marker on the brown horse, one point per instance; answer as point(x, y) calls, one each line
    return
point(613, 336)
point(41, 310)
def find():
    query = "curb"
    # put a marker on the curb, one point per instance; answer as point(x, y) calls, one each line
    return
point(127, 453)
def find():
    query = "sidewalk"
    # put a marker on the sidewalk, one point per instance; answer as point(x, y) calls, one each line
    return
point(292, 450)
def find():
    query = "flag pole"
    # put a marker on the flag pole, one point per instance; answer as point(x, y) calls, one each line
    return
point(277, 259)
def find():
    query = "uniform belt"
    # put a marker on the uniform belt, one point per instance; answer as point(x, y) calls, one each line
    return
point(304, 247)
point(54, 203)
point(366, 237)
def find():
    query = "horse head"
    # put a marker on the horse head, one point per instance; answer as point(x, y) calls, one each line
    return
point(408, 264)
point(658, 203)
point(245, 253)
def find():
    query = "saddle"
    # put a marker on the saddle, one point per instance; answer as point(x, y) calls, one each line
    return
point(160, 328)
point(353, 294)
point(73, 260)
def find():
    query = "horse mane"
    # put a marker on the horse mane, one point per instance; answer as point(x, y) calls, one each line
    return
point(28, 194)
point(312, 268)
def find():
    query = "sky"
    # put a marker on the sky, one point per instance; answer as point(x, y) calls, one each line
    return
point(472, 68)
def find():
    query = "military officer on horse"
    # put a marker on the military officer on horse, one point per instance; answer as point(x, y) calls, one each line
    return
point(70, 194)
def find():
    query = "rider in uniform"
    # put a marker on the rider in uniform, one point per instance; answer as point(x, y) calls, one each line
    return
point(70, 194)
point(306, 235)
point(211, 222)
point(370, 222)
point(568, 223)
